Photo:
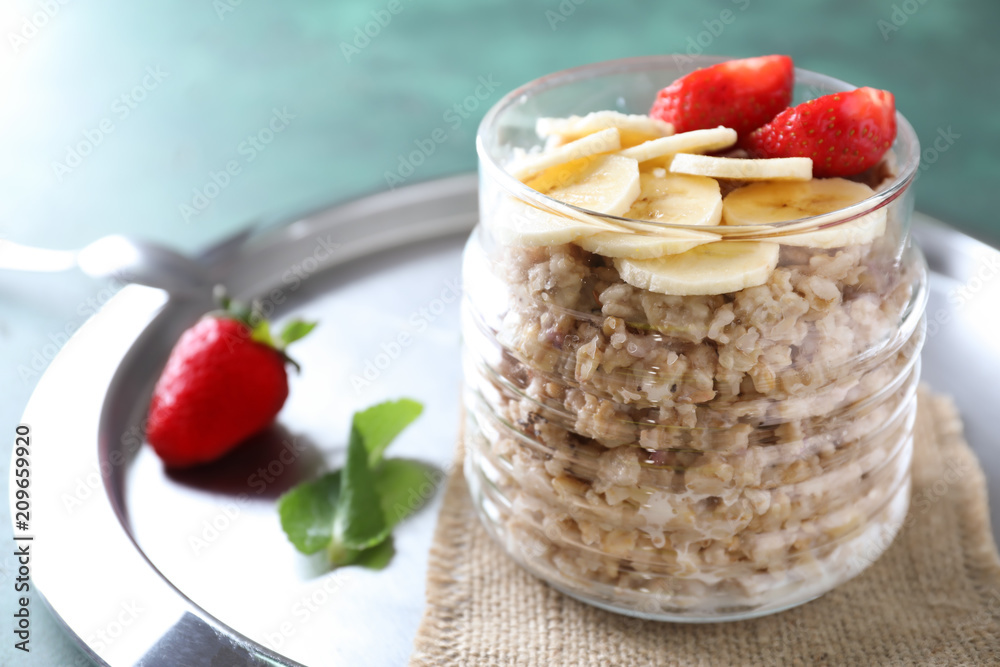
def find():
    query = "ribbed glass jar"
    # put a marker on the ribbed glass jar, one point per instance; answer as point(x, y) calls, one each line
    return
point(687, 458)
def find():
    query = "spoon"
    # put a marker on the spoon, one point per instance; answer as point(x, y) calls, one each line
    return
point(129, 260)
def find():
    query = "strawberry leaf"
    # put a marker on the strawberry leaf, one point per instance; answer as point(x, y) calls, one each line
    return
point(295, 330)
point(380, 424)
point(261, 333)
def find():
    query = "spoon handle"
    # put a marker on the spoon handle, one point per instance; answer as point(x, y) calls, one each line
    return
point(19, 257)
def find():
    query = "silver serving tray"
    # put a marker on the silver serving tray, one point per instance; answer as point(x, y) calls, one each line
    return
point(145, 567)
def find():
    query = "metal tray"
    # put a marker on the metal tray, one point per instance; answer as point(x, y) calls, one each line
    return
point(155, 568)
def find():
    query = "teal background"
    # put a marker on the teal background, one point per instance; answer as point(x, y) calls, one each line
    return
point(228, 66)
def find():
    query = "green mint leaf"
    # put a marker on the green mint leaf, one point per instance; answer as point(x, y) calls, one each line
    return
point(295, 330)
point(373, 558)
point(404, 487)
point(358, 522)
point(262, 333)
point(307, 512)
point(380, 424)
point(378, 556)
point(339, 555)
point(351, 512)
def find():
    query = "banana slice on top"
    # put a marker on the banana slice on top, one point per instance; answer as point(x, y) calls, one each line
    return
point(515, 222)
point(764, 203)
point(604, 141)
point(695, 141)
point(675, 199)
point(633, 128)
point(678, 199)
point(604, 184)
point(766, 169)
point(712, 268)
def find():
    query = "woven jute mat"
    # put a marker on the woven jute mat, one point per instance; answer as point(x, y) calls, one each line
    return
point(932, 599)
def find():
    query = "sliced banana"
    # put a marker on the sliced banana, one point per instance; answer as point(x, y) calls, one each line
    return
point(633, 129)
point(604, 184)
point(766, 203)
point(517, 223)
point(561, 175)
point(713, 268)
point(675, 199)
point(696, 141)
point(769, 169)
point(643, 245)
point(604, 141)
point(678, 199)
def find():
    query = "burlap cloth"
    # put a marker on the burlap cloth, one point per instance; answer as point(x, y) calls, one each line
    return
point(932, 599)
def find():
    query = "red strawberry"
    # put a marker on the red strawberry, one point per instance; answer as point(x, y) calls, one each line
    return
point(222, 383)
point(843, 133)
point(741, 94)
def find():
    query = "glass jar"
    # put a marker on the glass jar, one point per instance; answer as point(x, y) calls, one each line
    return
point(687, 458)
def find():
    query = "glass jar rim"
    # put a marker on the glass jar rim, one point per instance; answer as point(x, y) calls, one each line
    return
point(905, 136)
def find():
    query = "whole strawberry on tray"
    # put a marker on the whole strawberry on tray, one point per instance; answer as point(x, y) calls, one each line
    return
point(225, 380)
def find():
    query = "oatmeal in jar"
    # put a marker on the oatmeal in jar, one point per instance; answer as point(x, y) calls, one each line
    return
point(691, 336)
